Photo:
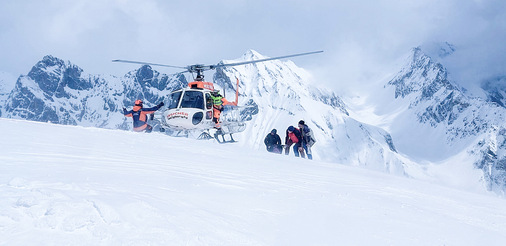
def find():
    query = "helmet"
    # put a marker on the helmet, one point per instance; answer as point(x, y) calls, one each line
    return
point(215, 93)
point(138, 102)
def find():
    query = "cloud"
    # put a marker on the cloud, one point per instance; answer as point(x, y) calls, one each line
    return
point(362, 39)
point(477, 29)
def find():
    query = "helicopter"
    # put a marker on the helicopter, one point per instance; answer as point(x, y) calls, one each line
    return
point(191, 109)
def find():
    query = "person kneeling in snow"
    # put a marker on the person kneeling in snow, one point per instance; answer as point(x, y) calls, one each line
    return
point(138, 113)
point(273, 142)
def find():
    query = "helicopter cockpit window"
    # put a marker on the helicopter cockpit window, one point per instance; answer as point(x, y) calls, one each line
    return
point(193, 99)
point(209, 101)
point(174, 99)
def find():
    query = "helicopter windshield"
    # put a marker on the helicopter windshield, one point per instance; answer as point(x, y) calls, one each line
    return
point(192, 99)
point(174, 99)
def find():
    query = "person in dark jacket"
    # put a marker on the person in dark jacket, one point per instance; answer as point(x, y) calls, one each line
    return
point(293, 137)
point(273, 142)
point(138, 113)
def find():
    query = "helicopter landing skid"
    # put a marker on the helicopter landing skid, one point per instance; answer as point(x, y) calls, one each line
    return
point(205, 136)
point(219, 133)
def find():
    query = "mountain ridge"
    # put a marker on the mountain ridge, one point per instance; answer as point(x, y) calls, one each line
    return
point(286, 94)
point(59, 91)
point(444, 124)
point(463, 123)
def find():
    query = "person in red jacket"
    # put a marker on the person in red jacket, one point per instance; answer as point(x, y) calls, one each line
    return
point(138, 113)
point(294, 137)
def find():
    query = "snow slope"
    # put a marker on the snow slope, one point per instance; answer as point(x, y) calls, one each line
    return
point(72, 185)
point(285, 93)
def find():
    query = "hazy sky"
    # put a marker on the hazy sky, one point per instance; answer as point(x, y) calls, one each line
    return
point(361, 39)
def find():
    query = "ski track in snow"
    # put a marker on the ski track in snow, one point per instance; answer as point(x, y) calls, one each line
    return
point(67, 185)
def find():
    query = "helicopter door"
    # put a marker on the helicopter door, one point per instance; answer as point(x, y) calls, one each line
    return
point(209, 107)
point(192, 102)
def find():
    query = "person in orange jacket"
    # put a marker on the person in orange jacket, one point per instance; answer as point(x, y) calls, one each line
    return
point(218, 102)
point(138, 113)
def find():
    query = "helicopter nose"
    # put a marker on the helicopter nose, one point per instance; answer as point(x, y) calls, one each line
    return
point(197, 118)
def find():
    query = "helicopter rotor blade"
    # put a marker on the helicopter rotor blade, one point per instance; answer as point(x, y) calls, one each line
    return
point(200, 68)
point(262, 60)
point(148, 63)
point(177, 74)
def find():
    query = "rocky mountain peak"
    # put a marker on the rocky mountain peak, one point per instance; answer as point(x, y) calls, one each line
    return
point(145, 73)
point(60, 92)
point(495, 89)
point(252, 55)
point(438, 50)
point(446, 124)
point(53, 75)
point(421, 77)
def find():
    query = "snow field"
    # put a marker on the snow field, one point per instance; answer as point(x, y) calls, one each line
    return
point(68, 185)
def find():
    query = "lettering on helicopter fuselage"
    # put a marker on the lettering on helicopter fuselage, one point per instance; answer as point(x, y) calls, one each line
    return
point(175, 115)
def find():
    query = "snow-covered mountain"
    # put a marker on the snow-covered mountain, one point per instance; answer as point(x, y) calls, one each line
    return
point(285, 94)
point(61, 92)
point(280, 94)
point(495, 89)
point(452, 137)
point(7, 82)
point(435, 120)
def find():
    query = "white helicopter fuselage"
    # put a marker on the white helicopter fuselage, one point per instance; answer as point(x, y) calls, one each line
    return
point(189, 109)
point(187, 119)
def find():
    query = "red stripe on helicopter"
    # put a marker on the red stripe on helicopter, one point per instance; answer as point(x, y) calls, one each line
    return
point(201, 85)
point(177, 115)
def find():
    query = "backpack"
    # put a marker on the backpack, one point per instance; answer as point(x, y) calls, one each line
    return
point(309, 136)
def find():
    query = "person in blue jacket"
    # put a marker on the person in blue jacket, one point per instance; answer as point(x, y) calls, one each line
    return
point(138, 113)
